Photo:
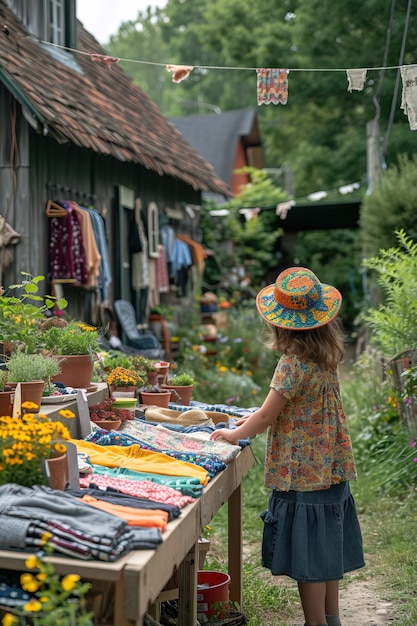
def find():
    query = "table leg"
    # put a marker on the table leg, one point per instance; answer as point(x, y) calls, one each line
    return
point(235, 545)
point(187, 579)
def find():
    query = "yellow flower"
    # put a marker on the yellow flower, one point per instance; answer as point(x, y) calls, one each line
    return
point(9, 620)
point(29, 583)
point(33, 606)
point(60, 448)
point(30, 406)
point(45, 537)
point(32, 562)
point(69, 582)
point(66, 413)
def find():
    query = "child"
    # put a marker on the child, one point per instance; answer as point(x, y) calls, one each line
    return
point(311, 530)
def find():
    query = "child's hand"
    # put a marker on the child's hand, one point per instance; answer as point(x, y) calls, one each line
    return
point(225, 433)
point(241, 420)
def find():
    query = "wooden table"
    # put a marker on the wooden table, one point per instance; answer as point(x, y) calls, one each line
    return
point(141, 575)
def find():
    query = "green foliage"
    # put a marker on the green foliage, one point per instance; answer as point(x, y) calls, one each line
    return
point(380, 437)
point(240, 370)
point(250, 244)
point(393, 323)
point(321, 134)
point(23, 367)
point(180, 380)
point(335, 256)
point(74, 338)
point(390, 207)
point(55, 599)
point(22, 309)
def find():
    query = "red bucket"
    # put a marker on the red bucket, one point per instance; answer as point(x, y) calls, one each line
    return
point(212, 593)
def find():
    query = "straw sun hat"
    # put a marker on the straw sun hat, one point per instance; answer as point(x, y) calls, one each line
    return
point(298, 300)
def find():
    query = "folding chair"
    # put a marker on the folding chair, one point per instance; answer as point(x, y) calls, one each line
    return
point(146, 343)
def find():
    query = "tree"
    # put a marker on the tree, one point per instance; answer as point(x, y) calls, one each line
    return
point(390, 206)
point(321, 133)
point(247, 245)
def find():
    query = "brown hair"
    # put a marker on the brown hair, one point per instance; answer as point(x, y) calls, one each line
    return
point(323, 345)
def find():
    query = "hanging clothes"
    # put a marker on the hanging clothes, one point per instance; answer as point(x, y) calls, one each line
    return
point(67, 257)
point(104, 273)
point(181, 263)
point(92, 254)
point(140, 261)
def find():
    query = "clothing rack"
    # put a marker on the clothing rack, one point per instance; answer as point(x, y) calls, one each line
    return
point(75, 194)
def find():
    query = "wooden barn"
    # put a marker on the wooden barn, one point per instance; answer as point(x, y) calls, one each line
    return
point(78, 135)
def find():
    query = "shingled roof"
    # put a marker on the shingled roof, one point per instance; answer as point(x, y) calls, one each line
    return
point(94, 106)
point(215, 136)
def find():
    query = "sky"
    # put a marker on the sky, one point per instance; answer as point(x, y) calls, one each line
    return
point(102, 18)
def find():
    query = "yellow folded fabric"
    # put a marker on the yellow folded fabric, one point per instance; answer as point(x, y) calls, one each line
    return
point(135, 458)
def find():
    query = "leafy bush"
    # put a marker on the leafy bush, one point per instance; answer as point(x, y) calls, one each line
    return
point(393, 323)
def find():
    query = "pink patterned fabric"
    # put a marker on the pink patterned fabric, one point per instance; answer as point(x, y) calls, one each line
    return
point(164, 439)
point(139, 488)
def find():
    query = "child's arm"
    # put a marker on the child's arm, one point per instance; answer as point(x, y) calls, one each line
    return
point(256, 422)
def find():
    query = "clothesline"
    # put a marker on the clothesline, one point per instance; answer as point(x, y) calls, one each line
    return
point(226, 67)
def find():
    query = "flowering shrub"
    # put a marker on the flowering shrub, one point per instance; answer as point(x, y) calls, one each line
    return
point(123, 377)
point(72, 338)
point(25, 443)
point(55, 600)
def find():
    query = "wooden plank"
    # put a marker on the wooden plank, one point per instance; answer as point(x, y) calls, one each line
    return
point(147, 571)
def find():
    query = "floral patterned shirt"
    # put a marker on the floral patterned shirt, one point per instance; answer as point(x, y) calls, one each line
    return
point(308, 446)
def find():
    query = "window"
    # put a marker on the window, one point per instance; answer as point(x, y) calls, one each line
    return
point(56, 21)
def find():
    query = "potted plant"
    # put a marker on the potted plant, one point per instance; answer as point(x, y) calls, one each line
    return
point(32, 371)
point(30, 443)
point(107, 416)
point(6, 394)
point(122, 379)
point(75, 344)
point(154, 395)
point(147, 367)
point(22, 310)
point(182, 385)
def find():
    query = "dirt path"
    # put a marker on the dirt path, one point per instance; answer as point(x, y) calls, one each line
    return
point(361, 604)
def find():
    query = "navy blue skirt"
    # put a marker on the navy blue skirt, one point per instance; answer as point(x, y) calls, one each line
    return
point(312, 536)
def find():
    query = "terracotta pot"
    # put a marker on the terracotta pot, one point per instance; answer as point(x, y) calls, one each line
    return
point(129, 391)
point(162, 369)
point(109, 424)
point(152, 378)
point(58, 472)
point(6, 403)
point(158, 399)
point(76, 370)
point(30, 391)
point(184, 393)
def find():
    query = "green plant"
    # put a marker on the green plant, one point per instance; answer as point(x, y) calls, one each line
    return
point(24, 367)
point(72, 339)
point(22, 310)
point(181, 380)
point(393, 322)
point(56, 600)
point(3, 379)
point(25, 444)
